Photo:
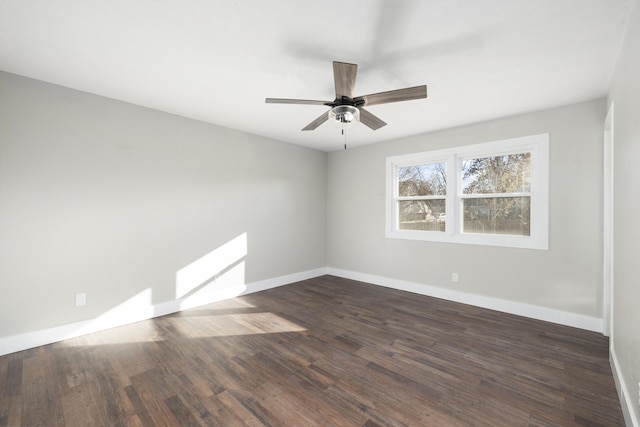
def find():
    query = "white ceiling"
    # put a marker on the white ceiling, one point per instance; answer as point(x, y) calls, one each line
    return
point(217, 60)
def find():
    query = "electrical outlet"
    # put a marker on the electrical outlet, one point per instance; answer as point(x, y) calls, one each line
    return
point(455, 278)
point(81, 299)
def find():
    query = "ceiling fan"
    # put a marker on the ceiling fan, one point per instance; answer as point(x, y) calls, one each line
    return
point(346, 108)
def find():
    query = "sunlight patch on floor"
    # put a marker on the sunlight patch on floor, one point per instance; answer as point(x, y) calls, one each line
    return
point(233, 324)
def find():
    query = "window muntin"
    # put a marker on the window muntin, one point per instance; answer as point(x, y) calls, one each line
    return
point(488, 194)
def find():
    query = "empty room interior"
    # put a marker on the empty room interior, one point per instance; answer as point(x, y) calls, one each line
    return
point(295, 213)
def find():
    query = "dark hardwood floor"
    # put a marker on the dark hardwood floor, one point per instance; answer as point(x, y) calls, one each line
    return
point(322, 352)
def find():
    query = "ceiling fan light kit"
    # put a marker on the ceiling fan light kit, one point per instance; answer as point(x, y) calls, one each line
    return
point(344, 114)
point(346, 108)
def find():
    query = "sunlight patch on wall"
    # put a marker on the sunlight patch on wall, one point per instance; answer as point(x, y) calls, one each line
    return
point(216, 276)
point(227, 285)
point(233, 324)
point(138, 307)
point(223, 267)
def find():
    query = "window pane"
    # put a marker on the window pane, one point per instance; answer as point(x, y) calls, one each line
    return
point(500, 215)
point(423, 180)
point(500, 174)
point(422, 214)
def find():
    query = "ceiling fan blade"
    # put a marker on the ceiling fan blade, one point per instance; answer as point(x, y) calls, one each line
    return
point(344, 75)
point(295, 101)
point(405, 94)
point(317, 122)
point(370, 120)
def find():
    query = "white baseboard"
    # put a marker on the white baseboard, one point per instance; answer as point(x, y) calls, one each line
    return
point(626, 403)
point(540, 313)
point(131, 313)
point(135, 313)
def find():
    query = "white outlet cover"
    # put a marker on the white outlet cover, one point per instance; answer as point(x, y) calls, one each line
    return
point(81, 299)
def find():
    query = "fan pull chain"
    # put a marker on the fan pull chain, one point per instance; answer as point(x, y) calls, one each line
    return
point(345, 138)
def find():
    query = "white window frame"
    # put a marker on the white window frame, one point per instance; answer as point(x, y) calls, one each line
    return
point(537, 145)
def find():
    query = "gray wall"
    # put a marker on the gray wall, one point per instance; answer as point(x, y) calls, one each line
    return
point(567, 277)
point(112, 199)
point(625, 94)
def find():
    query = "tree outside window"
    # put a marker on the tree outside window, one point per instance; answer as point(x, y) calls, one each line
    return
point(422, 191)
point(496, 194)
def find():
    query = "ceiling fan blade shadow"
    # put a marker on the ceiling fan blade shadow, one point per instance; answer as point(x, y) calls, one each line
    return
point(370, 120)
point(390, 25)
point(406, 94)
point(344, 75)
point(295, 101)
point(317, 122)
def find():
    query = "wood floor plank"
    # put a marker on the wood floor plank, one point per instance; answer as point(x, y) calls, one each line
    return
point(152, 389)
point(40, 389)
point(83, 405)
point(10, 412)
point(13, 379)
point(322, 352)
point(183, 413)
point(232, 412)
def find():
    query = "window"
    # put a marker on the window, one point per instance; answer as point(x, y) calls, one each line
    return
point(488, 194)
point(422, 193)
point(496, 194)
